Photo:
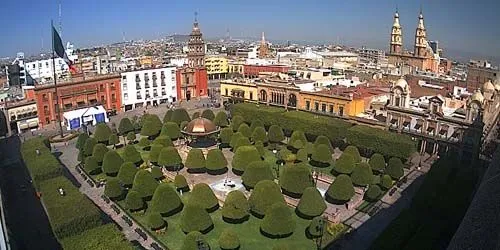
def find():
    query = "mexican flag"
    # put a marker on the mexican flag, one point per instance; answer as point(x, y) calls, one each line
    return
point(59, 49)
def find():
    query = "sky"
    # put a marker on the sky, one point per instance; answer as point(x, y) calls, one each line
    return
point(469, 27)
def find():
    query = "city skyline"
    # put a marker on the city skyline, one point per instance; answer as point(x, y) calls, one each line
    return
point(461, 29)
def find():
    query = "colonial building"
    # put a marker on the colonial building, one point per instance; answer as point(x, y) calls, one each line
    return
point(479, 73)
point(22, 116)
point(217, 67)
point(263, 49)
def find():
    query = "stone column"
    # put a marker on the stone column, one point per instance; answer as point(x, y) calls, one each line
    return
point(423, 146)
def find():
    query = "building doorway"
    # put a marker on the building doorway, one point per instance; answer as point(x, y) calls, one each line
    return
point(188, 95)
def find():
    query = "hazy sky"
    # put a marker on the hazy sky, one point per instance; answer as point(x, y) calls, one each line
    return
point(468, 26)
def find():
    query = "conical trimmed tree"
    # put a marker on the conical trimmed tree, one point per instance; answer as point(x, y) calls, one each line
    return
point(195, 218)
point(260, 147)
point(111, 163)
point(183, 125)
point(194, 241)
point(155, 221)
point(255, 124)
point(154, 153)
point(362, 175)
point(315, 228)
point(340, 191)
point(102, 133)
point(256, 171)
point(82, 137)
point(216, 162)
point(373, 193)
point(168, 116)
point(180, 115)
point(244, 129)
point(297, 135)
point(386, 182)
point(265, 194)
point(91, 166)
point(325, 141)
point(145, 184)
point(236, 122)
point(311, 204)
point(302, 155)
point(395, 168)
point(353, 151)
point(259, 134)
point(125, 126)
point(221, 119)
point(243, 156)
point(195, 161)
point(88, 146)
point(278, 222)
point(170, 159)
point(151, 126)
point(195, 115)
point(171, 129)
point(143, 142)
point(113, 189)
point(132, 155)
point(228, 240)
point(165, 201)
point(310, 148)
point(377, 163)
point(113, 140)
point(204, 195)
point(225, 136)
point(127, 174)
point(157, 173)
point(275, 134)
point(133, 201)
point(234, 139)
point(236, 207)
point(131, 137)
point(295, 178)
point(208, 114)
point(180, 183)
point(242, 141)
point(322, 156)
point(344, 164)
point(163, 140)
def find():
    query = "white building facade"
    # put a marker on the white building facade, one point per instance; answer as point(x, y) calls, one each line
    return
point(43, 70)
point(148, 87)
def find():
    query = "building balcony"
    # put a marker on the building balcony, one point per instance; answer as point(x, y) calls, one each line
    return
point(163, 93)
point(147, 86)
point(139, 97)
point(155, 84)
point(137, 80)
point(137, 86)
point(163, 83)
point(154, 78)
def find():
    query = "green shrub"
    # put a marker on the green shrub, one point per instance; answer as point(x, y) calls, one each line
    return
point(373, 193)
point(171, 129)
point(244, 129)
point(316, 228)
point(310, 148)
point(295, 178)
point(125, 126)
point(111, 163)
point(311, 204)
point(195, 115)
point(228, 240)
point(225, 135)
point(236, 121)
point(209, 114)
point(195, 218)
point(194, 241)
point(91, 166)
point(344, 164)
point(102, 133)
point(168, 116)
point(103, 237)
point(205, 197)
point(144, 184)
point(80, 142)
point(236, 207)
point(113, 139)
point(151, 125)
point(41, 166)
point(143, 142)
point(163, 140)
point(302, 155)
point(183, 125)
point(362, 175)
point(195, 161)
point(131, 137)
point(286, 155)
point(133, 201)
point(256, 171)
point(132, 155)
point(127, 174)
point(243, 156)
point(265, 194)
point(297, 136)
point(377, 162)
point(255, 124)
point(179, 116)
point(155, 221)
point(216, 162)
point(170, 159)
point(340, 191)
point(221, 119)
point(276, 134)
point(241, 141)
point(353, 151)
point(165, 201)
point(234, 139)
point(259, 134)
point(322, 156)
point(157, 173)
point(260, 147)
point(88, 147)
point(180, 183)
point(154, 153)
point(325, 141)
point(113, 189)
point(386, 181)
point(99, 151)
point(278, 222)
point(80, 156)
point(395, 168)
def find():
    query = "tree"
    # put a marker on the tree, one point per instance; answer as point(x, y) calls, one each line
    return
point(278, 222)
point(243, 156)
point(310, 148)
point(259, 134)
point(194, 241)
point(386, 182)
point(256, 171)
point(143, 142)
point(165, 201)
point(295, 178)
point(151, 125)
point(316, 227)
point(340, 191)
point(127, 174)
point(362, 174)
point(195, 218)
point(297, 135)
point(113, 189)
point(88, 147)
point(99, 151)
point(395, 168)
point(195, 161)
point(353, 151)
point(322, 156)
point(225, 136)
point(132, 155)
point(255, 124)
point(216, 162)
point(171, 129)
point(183, 125)
point(260, 147)
point(180, 183)
point(208, 114)
point(170, 159)
point(234, 139)
point(221, 119)
point(125, 126)
point(276, 134)
point(157, 173)
point(265, 194)
point(242, 141)
point(244, 129)
point(311, 204)
point(204, 196)
point(91, 166)
point(228, 240)
point(80, 142)
point(302, 155)
point(81, 157)
point(377, 162)
point(131, 137)
point(102, 133)
point(236, 122)
point(373, 193)
point(113, 140)
point(144, 184)
point(163, 140)
point(286, 156)
point(154, 153)
point(155, 221)
point(180, 115)
point(325, 141)
point(344, 164)
point(195, 115)
point(168, 116)
point(133, 201)
point(111, 163)
point(236, 207)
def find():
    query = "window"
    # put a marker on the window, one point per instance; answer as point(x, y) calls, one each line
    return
point(124, 86)
point(251, 95)
point(103, 99)
point(124, 77)
point(226, 92)
point(125, 96)
point(163, 92)
point(155, 93)
point(139, 95)
point(113, 97)
point(101, 87)
point(308, 105)
point(330, 108)
point(316, 106)
point(396, 101)
point(323, 107)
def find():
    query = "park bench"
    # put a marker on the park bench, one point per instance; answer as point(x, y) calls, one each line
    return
point(141, 233)
point(155, 246)
point(115, 208)
point(127, 220)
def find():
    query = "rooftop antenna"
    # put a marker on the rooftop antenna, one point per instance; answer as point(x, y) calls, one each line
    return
point(196, 16)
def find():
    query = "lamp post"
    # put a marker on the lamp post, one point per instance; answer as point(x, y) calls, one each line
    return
point(278, 164)
point(320, 228)
point(200, 243)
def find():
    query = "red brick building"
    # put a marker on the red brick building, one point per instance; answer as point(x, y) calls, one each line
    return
point(252, 71)
point(78, 93)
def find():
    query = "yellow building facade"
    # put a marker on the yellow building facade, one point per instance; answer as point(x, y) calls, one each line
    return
point(236, 67)
point(217, 67)
point(238, 90)
point(330, 104)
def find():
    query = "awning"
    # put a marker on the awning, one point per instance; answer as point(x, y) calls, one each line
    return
point(406, 123)
point(23, 126)
point(33, 124)
point(394, 121)
point(443, 131)
point(430, 129)
point(418, 126)
point(454, 135)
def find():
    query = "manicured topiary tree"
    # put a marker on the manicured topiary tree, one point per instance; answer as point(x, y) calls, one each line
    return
point(111, 163)
point(316, 227)
point(275, 134)
point(260, 147)
point(234, 139)
point(195, 218)
point(209, 114)
point(325, 141)
point(168, 116)
point(180, 183)
point(362, 175)
point(81, 157)
point(154, 153)
point(133, 201)
point(322, 156)
point(255, 124)
point(165, 201)
point(395, 168)
point(344, 164)
point(236, 121)
point(228, 240)
point(311, 204)
point(99, 151)
point(195, 161)
point(353, 151)
point(302, 155)
point(278, 222)
point(91, 166)
point(132, 155)
point(127, 174)
point(157, 173)
point(88, 147)
point(171, 129)
point(125, 126)
point(113, 140)
point(180, 115)
point(259, 134)
point(131, 137)
point(225, 136)
point(216, 162)
point(243, 156)
point(386, 181)
point(265, 194)
point(170, 159)
point(297, 135)
point(285, 155)
point(256, 171)
point(236, 207)
point(310, 148)
point(143, 142)
point(244, 129)
point(163, 140)
point(80, 142)
point(377, 163)
point(340, 191)
point(144, 184)
point(194, 241)
point(155, 221)
point(195, 115)
point(221, 119)
point(102, 133)
point(373, 193)
point(203, 195)
point(242, 141)
point(113, 189)
point(183, 125)
point(295, 178)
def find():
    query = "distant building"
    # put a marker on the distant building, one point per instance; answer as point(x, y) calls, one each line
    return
point(217, 67)
point(22, 116)
point(253, 71)
point(43, 70)
point(479, 73)
point(263, 49)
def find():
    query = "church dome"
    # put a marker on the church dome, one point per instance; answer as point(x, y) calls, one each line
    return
point(402, 83)
point(497, 83)
point(488, 86)
point(200, 126)
point(477, 96)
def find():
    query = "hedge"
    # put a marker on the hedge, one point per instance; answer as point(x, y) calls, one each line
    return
point(205, 197)
point(244, 129)
point(216, 162)
point(163, 140)
point(88, 147)
point(209, 114)
point(265, 194)
point(195, 161)
point(228, 240)
point(354, 152)
point(194, 240)
point(170, 159)
point(295, 179)
point(260, 147)
point(125, 126)
point(377, 163)
point(179, 116)
point(132, 155)
point(225, 136)
point(99, 151)
point(259, 134)
point(165, 201)
point(234, 139)
point(111, 163)
point(302, 155)
point(344, 164)
point(236, 121)
point(113, 140)
point(221, 119)
point(180, 183)
point(256, 171)
point(286, 155)
point(171, 129)
point(144, 184)
point(154, 152)
point(275, 134)
point(102, 133)
point(235, 209)
point(278, 222)
point(386, 182)
point(373, 193)
point(395, 168)
point(168, 116)
point(127, 174)
point(131, 137)
point(157, 173)
point(195, 218)
point(243, 156)
point(82, 137)
point(314, 229)
point(143, 142)
point(325, 141)
point(255, 124)
point(99, 238)
point(195, 115)
point(155, 221)
point(183, 125)
point(321, 156)
point(311, 204)
point(113, 189)
point(91, 166)
point(340, 191)
point(241, 141)
point(133, 201)
point(297, 135)
point(362, 175)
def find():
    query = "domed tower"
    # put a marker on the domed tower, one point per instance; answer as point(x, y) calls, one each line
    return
point(396, 45)
point(488, 90)
point(420, 38)
point(196, 46)
point(474, 106)
point(400, 94)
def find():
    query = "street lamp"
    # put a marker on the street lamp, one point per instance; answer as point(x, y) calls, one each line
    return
point(320, 228)
point(278, 164)
point(200, 243)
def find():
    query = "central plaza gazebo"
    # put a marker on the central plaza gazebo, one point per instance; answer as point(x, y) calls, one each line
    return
point(200, 133)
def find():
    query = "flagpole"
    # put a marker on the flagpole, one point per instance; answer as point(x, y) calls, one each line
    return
point(58, 110)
